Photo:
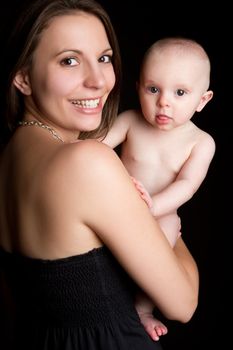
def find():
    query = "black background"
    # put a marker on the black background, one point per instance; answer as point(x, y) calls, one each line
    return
point(206, 218)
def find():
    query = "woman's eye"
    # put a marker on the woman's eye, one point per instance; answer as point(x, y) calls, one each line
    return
point(180, 92)
point(105, 59)
point(70, 61)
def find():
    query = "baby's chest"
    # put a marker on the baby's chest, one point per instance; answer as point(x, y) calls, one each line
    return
point(156, 154)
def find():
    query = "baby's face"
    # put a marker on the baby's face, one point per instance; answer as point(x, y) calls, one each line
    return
point(172, 84)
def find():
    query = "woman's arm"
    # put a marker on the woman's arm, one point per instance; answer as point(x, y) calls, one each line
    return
point(113, 209)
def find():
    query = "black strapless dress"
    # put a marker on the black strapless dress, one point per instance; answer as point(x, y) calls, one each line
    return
point(83, 302)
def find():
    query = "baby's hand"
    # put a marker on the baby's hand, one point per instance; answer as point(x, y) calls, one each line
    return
point(144, 193)
point(153, 327)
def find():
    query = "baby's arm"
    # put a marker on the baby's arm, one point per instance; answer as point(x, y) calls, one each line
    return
point(188, 180)
point(118, 132)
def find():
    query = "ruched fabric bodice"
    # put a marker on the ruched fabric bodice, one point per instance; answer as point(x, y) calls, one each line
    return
point(79, 302)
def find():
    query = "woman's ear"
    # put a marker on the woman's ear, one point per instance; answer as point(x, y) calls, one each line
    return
point(22, 82)
point(206, 97)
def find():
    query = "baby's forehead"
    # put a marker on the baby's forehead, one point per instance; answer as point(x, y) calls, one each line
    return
point(191, 54)
point(179, 51)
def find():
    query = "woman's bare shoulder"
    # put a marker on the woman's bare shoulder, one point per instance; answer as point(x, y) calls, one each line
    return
point(88, 158)
point(91, 154)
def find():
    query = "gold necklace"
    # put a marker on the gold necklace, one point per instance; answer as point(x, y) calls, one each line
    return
point(41, 125)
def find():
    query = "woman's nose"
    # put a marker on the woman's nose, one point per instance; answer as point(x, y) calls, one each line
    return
point(94, 77)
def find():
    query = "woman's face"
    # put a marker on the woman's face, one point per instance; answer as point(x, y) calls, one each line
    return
point(71, 74)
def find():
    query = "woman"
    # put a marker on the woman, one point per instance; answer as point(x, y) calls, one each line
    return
point(75, 236)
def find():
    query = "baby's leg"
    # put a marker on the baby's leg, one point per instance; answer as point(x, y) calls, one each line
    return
point(170, 224)
point(145, 308)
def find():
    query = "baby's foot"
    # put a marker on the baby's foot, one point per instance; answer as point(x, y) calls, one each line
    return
point(153, 327)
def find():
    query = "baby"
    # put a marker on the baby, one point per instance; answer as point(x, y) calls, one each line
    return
point(162, 149)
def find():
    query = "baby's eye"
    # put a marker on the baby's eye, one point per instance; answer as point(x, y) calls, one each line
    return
point(105, 59)
point(180, 92)
point(153, 89)
point(69, 61)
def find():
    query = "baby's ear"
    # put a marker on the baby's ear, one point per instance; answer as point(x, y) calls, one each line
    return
point(206, 97)
point(21, 81)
